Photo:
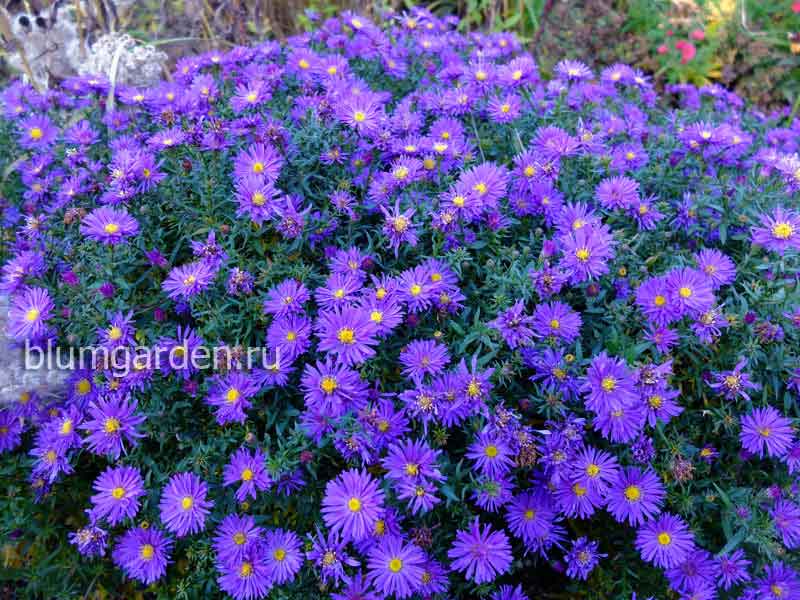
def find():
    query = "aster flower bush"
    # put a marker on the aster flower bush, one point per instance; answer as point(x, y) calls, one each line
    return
point(526, 336)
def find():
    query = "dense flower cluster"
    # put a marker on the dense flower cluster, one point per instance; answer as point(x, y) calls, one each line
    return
point(527, 332)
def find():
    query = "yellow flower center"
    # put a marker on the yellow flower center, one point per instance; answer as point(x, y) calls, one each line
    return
point(579, 490)
point(291, 336)
point(400, 172)
point(359, 116)
point(659, 300)
point(147, 552)
point(346, 335)
point(505, 108)
point(258, 199)
point(416, 290)
point(517, 75)
point(412, 469)
point(633, 493)
point(36, 133)
point(395, 565)
point(529, 171)
point(376, 316)
point(111, 228)
point(400, 224)
point(246, 570)
point(187, 502)
point(239, 538)
point(111, 425)
point(247, 475)
point(529, 514)
point(765, 431)
point(481, 188)
point(685, 292)
point(232, 395)
point(491, 451)
point(189, 280)
point(782, 231)
point(609, 383)
point(328, 385)
point(582, 254)
point(554, 324)
point(114, 333)
point(354, 504)
point(279, 554)
point(303, 63)
point(258, 167)
point(655, 401)
point(66, 427)
point(252, 97)
point(339, 293)
point(117, 493)
point(592, 470)
point(664, 538)
point(32, 315)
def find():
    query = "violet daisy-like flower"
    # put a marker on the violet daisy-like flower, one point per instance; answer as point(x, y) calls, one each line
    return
point(113, 422)
point(595, 469)
point(286, 298)
point(118, 492)
point(235, 536)
point(699, 572)
point(507, 592)
point(90, 540)
point(582, 558)
point(119, 332)
point(30, 310)
point(249, 578)
point(108, 225)
point(689, 291)
point(352, 504)
point(259, 160)
point(665, 541)
point(558, 320)
point(766, 432)
point(587, 252)
point(656, 303)
point(333, 387)
point(249, 471)
point(779, 231)
point(514, 325)
point(283, 555)
point(424, 357)
point(734, 384)
point(786, 520)
point(183, 505)
point(188, 280)
point(230, 394)
point(412, 460)
point(347, 332)
point(143, 554)
point(480, 553)
point(491, 454)
point(257, 198)
point(779, 582)
point(733, 569)
point(609, 384)
point(572, 70)
point(395, 568)
point(716, 266)
point(577, 500)
point(329, 554)
point(635, 496)
point(617, 193)
point(399, 228)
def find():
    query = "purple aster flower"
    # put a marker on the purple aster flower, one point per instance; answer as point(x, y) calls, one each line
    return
point(577, 500)
point(10, 430)
point(143, 554)
point(113, 421)
point(412, 460)
point(183, 505)
point(210, 251)
point(248, 579)
point(257, 198)
point(558, 320)
point(188, 280)
point(661, 405)
point(249, 471)
point(424, 357)
point(779, 582)
point(235, 536)
point(231, 394)
point(734, 384)
point(120, 331)
point(329, 554)
point(689, 291)
point(421, 496)
point(395, 568)
point(766, 432)
point(283, 555)
point(617, 193)
point(779, 231)
point(572, 70)
point(635, 496)
point(108, 225)
point(118, 492)
point(289, 336)
point(665, 541)
point(29, 312)
point(506, 592)
point(492, 455)
point(786, 520)
point(655, 302)
point(333, 388)
point(240, 282)
point(699, 572)
point(587, 252)
point(348, 332)
point(716, 266)
point(514, 325)
point(258, 160)
point(609, 384)
point(286, 298)
point(733, 569)
point(595, 469)
point(582, 558)
point(399, 228)
point(90, 541)
point(352, 504)
point(480, 553)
